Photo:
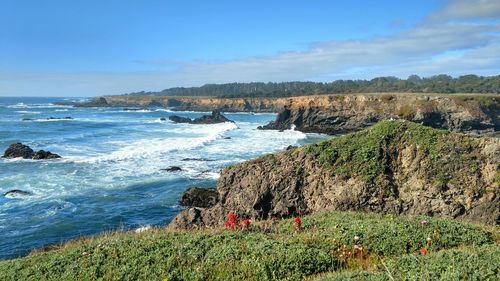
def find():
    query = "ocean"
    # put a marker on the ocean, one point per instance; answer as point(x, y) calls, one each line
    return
point(110, 175)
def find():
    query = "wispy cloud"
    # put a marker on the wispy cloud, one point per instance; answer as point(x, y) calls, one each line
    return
point(462, 37)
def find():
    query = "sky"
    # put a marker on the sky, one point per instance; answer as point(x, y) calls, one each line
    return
point(100, 47)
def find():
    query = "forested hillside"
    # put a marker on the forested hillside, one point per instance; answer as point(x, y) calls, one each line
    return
point(413, 84)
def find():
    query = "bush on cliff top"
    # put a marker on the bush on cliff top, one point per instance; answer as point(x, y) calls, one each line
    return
point(370, 153)
point(278, 254)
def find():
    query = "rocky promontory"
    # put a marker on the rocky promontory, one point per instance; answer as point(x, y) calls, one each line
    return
point(350, 113)
point(394, 167)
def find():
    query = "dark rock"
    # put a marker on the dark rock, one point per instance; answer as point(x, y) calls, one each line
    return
point(227, 138)
point(98, 102)
point(172, 169)
point(42, 154)
point(291, 147)
point(135, 109)
point(200, 197)
point(179, 119)
point(214, 118)
point(60, 118)
point(17, 150)
point(196, 159)
point(28, 119)
point(16, 193)
point(163, 119)
point(20, 150)
point(188, 219)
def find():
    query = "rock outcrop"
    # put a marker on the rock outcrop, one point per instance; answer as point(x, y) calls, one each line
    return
point(214, 118)
point(199, 197)
point(19, 150)
point(395, 167)
point(350, 113)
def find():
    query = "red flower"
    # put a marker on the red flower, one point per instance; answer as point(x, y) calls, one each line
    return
point(423, 252)
point(297, 224)
point(245, 223)
point(232, 218)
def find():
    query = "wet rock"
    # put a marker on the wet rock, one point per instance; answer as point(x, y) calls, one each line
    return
point(214, 118)
point(199, 197)
point(42, 154)
point(163, 119)
point(19, 150)
point(172, 169)
point(179, 119)
point(60, 118)
point(197, 159)
point(16, 193)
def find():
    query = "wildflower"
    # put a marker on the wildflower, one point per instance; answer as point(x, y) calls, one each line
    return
point(85, 254)
point(429, 240)
point(227, 224)
point(423, 251)
point(356, 239)
point(245, 223)
point(297, 224)
point(232, 218)
point(424, 223)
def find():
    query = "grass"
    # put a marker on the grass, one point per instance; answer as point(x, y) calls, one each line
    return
point(324, 249)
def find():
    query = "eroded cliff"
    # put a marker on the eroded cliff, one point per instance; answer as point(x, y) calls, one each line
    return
point(395, 167)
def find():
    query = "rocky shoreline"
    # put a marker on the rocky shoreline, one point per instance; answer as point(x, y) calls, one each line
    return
point(340, 114)
point(392, 168)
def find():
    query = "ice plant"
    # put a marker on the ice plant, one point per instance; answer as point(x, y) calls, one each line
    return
point(297, 224)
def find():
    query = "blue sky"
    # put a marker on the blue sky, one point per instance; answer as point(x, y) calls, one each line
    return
point(86, 48)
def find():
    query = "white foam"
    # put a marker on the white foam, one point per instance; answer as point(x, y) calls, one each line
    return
point(143, 228)
point(27, 112)
point(153, 148)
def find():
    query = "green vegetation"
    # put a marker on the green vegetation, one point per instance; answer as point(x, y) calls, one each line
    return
point(273, 252)
point(468, 263)
point(414, 84)
point(369, 154)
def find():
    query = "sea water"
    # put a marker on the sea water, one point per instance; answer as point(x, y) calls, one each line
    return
point(110, 175)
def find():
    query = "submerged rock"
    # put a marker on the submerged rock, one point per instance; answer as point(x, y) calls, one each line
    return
point(199, 197)
point(19, 150)
point(16, 193)
point(214, 118)
point(172, 169)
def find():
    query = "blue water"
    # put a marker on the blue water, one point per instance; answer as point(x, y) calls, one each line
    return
point(110, 175)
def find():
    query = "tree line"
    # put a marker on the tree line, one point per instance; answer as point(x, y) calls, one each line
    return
point(413, 84)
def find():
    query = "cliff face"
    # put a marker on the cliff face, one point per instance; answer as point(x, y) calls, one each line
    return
point(334, 114)
point(192, 103)
point(394, 167)
point(343, 114)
